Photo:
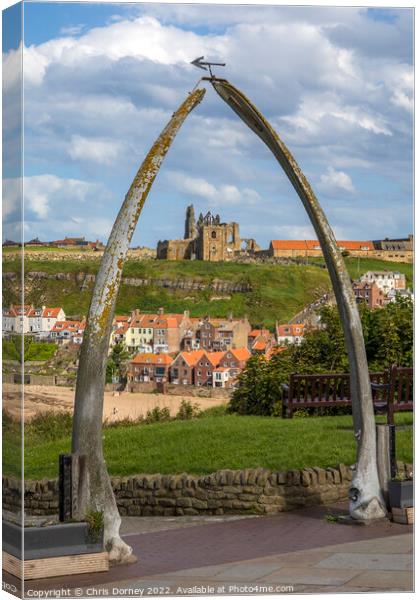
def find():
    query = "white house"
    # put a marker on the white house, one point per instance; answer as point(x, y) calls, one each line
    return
point(385, 280)
point(27, 319)
point(290, 333)
point(68, 331)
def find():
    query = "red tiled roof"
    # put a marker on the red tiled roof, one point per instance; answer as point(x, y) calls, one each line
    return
point(257, 332)
point(192, 357)
point(295, 329)
point(152, 358)
point(72, 326)
point(51, 312)
point(241, 353)
point(121, 318)
point(20, 309)
point(215, 357)
point(259, 345)
point(314, 244)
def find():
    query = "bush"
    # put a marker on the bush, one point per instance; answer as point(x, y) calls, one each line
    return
point(158, 415)
point(49, 426)
point(187, 411)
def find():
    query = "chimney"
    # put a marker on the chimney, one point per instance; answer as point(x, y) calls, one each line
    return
point(160, 311)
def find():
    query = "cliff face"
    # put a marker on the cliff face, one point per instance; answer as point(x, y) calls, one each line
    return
point(84, 279)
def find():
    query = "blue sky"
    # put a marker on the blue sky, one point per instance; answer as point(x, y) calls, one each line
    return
point(101, 81)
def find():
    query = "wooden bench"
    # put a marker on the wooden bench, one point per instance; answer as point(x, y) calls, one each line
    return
point(401, 391)
point(333, 389)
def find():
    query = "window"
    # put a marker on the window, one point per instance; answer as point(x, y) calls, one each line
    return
point(214, 234)
point(160, 371)
point(198, 372)
point(208, 373)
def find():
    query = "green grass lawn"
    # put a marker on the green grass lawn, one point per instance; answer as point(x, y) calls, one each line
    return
point(208, 444)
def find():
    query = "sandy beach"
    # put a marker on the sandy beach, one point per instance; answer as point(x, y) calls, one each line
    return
point(117, 405)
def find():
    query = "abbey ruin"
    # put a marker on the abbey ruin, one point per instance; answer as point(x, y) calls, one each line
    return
point(205, 239)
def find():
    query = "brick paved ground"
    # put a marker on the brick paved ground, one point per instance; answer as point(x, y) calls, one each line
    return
point(297, 551)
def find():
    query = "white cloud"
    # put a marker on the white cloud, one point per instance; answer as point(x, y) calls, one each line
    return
point(95, 149)
point(318, 112)
point(336, 95)
point(12, 68)
point(61, 205)
point(225, 194)
point(333, 181)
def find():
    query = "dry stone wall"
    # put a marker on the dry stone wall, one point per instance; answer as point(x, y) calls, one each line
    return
point(249, 491)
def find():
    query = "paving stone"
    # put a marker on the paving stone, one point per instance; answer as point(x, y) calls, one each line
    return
point(368, 562)
point(386, 580)
point(249, 572)
point(311, 575)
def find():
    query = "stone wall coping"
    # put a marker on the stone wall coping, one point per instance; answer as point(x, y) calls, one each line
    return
point(224, 477)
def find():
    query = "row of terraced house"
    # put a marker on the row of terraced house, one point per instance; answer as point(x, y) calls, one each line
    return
point(202, 352)
point(199, 368)
point(44, 323)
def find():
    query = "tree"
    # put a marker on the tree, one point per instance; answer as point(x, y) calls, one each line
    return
point(388, 334)
point(116, 365)
point(88, 407)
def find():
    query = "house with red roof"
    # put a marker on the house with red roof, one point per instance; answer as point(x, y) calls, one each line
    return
point(260, 341)
point(183, 368)
point(290, 333)
point(369, 293)
point(27, 319)
point(149, 366)
point(221, 334)
point(230, 365)
point(68, 331)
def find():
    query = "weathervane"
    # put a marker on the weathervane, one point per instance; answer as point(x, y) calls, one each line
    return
point(198, 62)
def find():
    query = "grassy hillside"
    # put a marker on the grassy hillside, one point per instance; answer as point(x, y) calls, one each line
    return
point(356, 267)
point(278, 291)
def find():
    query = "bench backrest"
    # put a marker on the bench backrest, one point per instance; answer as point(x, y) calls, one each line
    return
point(329, 388)
point(401, 392)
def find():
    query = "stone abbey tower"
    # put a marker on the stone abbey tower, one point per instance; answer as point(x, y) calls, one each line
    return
point(205, 239)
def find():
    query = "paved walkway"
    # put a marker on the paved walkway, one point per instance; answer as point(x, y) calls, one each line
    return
point(298, 551)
